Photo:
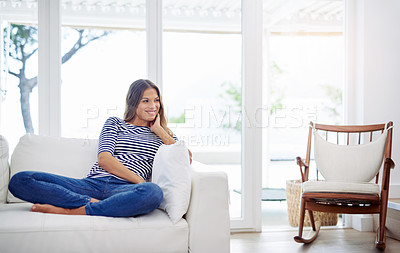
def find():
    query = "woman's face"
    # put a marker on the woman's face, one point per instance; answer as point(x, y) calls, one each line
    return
point(147, 109)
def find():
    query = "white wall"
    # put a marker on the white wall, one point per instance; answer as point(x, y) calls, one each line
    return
point(373, 70)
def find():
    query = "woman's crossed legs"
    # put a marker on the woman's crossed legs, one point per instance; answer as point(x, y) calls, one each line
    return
point(105, 196)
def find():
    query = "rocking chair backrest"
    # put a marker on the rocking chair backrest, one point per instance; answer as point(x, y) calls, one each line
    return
point(350, 163)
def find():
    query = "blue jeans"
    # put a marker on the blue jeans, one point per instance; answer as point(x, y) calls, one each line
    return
point(118, 198)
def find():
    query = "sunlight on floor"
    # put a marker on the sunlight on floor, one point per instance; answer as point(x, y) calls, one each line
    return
point(275, 215)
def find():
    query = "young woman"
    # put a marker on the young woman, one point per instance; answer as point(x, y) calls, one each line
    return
point(116, 185)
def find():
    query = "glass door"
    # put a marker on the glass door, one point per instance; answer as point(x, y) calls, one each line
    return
point(212, 76)
point(304, 56)
point(202, 84)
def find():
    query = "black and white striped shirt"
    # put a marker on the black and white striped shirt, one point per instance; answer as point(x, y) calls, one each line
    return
point(134, 146)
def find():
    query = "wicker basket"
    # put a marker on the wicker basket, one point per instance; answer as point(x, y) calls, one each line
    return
point(293, 189)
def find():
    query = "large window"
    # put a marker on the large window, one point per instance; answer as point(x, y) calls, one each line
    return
point(103, 64)
point(18, 72)
point(202, 85)
point(304, 52)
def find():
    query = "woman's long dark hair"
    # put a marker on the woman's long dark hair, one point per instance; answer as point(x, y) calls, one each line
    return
point(134, 96)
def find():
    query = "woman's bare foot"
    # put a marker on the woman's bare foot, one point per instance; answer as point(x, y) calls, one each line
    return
point(46, 208)
point(93, 200)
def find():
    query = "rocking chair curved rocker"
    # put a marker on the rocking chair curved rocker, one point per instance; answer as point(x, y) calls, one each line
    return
point(348, 171)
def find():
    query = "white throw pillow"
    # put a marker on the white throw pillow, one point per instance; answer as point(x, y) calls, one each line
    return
point(171, 171)
point(349, 163)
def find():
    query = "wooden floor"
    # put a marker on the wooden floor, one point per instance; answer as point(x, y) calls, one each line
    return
point(329, 240)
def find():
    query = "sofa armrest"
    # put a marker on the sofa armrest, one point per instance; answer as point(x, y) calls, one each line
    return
point(208, 212)
point(4, 169)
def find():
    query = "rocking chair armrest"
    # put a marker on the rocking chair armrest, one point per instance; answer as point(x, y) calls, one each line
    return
point(304, 174)
point(390, 162)
point(300, 162)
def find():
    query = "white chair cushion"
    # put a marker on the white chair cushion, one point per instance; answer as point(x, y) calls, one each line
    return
point(349, 163)
point(62, 156)
point(340, 187)
point(171, 171)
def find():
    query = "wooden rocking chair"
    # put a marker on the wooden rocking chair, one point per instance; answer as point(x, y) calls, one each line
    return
point(347, 170)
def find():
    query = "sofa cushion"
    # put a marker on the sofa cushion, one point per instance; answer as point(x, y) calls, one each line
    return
point(4, 169)
point(171, 171)
point(24, 231)
point(63, 156)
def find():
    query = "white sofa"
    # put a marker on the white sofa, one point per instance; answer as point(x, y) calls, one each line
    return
point(204, 228)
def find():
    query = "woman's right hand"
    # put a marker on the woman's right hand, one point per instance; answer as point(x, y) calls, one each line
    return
point(115, 167)
point(155, 126)
point(158, 130)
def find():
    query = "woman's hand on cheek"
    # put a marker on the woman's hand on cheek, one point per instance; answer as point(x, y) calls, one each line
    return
point(157, 129)
point(155, 125)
